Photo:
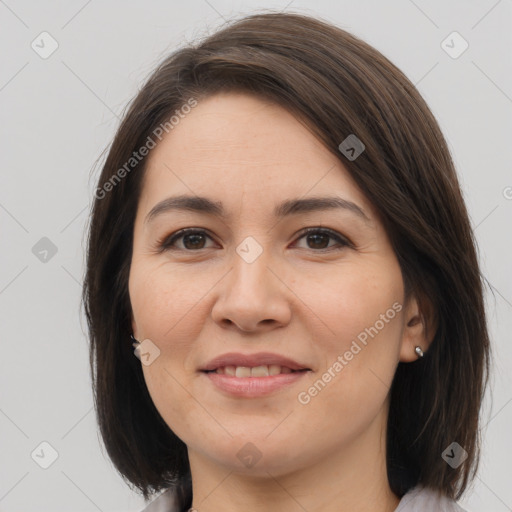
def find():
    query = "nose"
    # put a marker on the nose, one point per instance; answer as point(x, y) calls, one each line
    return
point(252, 297)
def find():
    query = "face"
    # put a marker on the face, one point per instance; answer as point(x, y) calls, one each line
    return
point(265, 281)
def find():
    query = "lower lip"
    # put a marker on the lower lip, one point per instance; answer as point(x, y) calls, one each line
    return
point(253, 386)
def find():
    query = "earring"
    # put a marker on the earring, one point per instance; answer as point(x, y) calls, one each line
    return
point(136, 342)
point(418, 351)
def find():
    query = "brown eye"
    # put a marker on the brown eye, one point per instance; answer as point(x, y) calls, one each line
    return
point(319, 239)
point(192, 240)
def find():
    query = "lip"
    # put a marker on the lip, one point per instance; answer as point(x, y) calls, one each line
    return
point(247, 387)
point(259, 359)
point(251, 387)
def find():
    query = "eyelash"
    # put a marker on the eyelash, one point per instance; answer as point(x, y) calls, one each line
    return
point(166, 243)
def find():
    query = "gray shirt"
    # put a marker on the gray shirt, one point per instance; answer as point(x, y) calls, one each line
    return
point(419, 499)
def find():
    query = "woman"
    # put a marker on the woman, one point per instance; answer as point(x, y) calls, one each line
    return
point(280, 234)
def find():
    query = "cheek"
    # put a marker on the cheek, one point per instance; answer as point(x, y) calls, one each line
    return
point(166, 308)
point(169, 397)
point(165, 303)
point(358, 340)
point(348, 302)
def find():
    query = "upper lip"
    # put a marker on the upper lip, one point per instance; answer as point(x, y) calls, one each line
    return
point(252, 360)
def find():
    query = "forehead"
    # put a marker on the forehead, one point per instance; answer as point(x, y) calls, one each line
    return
point(244, 150)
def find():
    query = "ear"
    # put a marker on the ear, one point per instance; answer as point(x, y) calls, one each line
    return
point(420, 326)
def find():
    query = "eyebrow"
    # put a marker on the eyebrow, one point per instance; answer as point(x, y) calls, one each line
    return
point(289, 207)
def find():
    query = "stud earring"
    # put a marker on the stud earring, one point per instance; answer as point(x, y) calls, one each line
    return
point(135, 343)
point(418, 351)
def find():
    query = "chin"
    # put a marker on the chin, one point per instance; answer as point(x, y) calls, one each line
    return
point(258, 456)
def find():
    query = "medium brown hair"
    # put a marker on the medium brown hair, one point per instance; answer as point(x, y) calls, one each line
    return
point(337, 85)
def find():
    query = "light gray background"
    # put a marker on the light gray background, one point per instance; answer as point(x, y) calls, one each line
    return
point(59, 113)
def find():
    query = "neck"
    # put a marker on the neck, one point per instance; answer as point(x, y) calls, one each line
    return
point(352, 478)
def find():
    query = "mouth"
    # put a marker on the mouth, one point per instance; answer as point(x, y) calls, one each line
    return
point(261, 364)
point(254, 375)
point(242, 372)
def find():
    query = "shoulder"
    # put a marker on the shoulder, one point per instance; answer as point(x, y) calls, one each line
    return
point(165, 502)
point(424, 499)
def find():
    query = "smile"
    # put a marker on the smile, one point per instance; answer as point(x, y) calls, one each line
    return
point(256, 371)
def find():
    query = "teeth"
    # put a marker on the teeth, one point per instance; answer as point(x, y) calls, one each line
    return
point(243, 371)
point(259, 371)
point(230, 370)
point(256, 371)
point(274, 369)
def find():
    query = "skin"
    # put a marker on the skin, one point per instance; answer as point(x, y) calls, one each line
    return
point(306, 299)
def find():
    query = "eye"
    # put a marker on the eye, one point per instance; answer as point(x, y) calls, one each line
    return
point(319, 237)
point(193, 239)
